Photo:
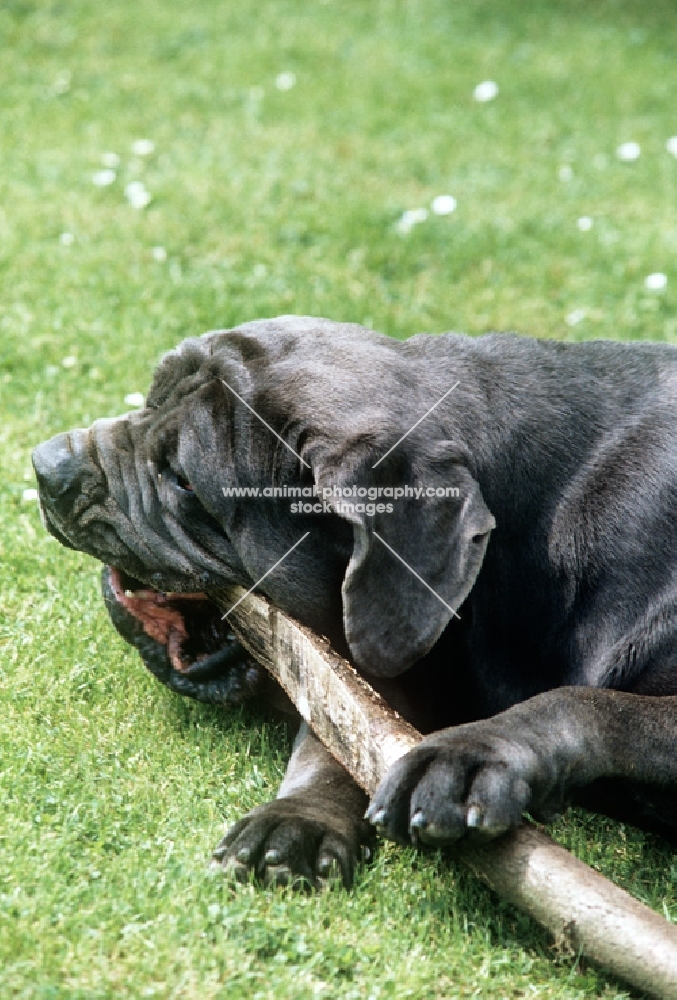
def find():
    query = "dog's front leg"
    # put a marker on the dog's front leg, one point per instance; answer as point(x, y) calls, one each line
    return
point(311, 833)
point(480, 778)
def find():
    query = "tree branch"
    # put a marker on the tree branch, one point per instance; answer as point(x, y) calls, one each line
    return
point(579, 906)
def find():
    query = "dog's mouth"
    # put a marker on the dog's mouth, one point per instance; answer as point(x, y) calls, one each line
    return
point(189, 626)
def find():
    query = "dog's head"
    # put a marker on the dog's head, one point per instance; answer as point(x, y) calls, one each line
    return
point(264, 457)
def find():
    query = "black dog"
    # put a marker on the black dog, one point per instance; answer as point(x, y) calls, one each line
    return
point(528, 487)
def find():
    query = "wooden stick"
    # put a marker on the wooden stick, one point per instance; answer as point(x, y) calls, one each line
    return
point(581, 908)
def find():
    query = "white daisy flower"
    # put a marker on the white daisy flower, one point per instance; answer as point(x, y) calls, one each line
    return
point(575, 317)
point(409, 219)
point(656, 282)
point(143, 147)
point(485, 91)
point(443, 204)
point(103, 178)
point(285, 81)
point(137, 195)
point(628, 151)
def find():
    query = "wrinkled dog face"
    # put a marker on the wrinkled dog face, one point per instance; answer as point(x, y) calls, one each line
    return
point(289, 402)
point(117, 490)
point(144, 492)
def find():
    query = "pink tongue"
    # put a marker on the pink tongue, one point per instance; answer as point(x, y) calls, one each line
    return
point(160, 620)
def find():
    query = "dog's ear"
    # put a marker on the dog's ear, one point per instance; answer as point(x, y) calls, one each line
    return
point(416, 557)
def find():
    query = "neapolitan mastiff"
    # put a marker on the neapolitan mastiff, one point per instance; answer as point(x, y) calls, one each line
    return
point(490, 530)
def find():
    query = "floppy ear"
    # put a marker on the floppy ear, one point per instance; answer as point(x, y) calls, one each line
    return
point(414, 563)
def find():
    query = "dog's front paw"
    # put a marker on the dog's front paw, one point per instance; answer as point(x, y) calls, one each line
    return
point(294, 841)
point(457, 782)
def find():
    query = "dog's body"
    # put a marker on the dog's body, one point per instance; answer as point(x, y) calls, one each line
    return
point(546, 515)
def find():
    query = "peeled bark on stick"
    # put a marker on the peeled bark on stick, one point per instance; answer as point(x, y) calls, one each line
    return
point(581, 908)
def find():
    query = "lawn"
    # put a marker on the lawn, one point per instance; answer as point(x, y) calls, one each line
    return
point(167, 168)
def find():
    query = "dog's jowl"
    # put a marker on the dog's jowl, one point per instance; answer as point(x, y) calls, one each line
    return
point(485, 526)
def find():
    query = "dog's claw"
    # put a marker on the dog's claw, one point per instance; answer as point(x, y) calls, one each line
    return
point(377, 819)
point(473, 816)
point(418, 820)
point(235, 872)
point(328, 868)
point(278, 875)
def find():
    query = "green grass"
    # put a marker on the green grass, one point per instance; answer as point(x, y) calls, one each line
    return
point(113, 792)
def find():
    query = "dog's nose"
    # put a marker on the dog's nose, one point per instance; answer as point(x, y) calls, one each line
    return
point(57, 465)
